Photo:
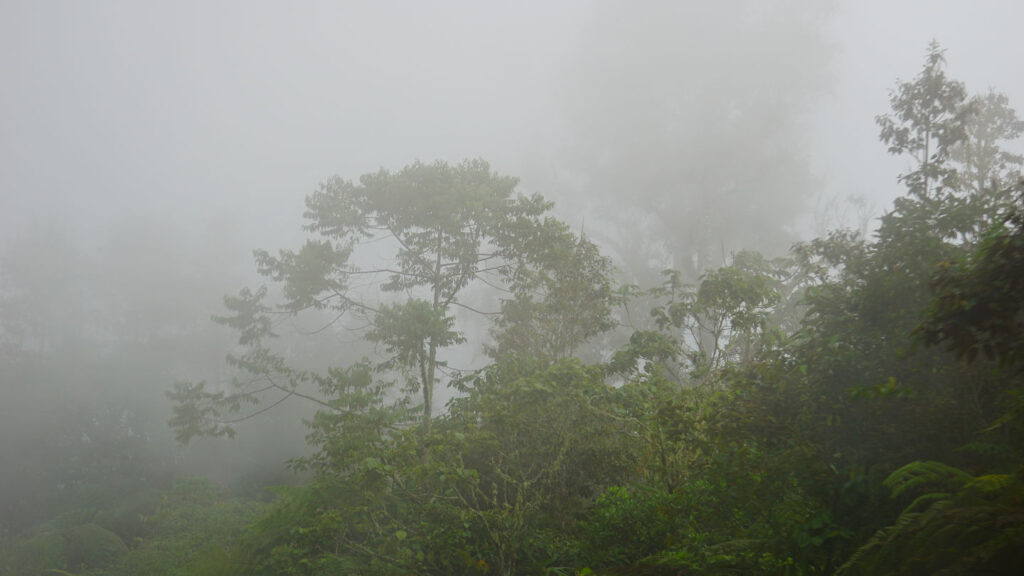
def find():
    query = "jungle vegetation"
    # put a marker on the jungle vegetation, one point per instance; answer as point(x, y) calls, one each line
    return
point(853, 407)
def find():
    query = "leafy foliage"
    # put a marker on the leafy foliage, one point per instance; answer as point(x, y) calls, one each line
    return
point(82, 547)
point(566, 301)
point(439, 230)
point(192, 532)
point(926, 122)
point(975, 525)
point(700, 331)
point(977, 306)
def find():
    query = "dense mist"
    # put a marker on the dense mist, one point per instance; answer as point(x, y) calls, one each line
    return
point(604, 230)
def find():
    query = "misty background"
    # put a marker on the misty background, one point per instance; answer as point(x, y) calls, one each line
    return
point(219, 118)
point(148, 148)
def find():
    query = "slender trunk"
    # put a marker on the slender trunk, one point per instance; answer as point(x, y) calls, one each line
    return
point(431, 371)
point(427, 390)
point(927, 158)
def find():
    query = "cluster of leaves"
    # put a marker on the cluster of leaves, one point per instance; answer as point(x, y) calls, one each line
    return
point(698, 331)
point(978, 305)
point(957, 524)
point(490, 489)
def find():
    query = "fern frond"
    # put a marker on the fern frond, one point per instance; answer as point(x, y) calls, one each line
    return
point(925, 501)
point(976, 528)
point(926, 473)
point(986, 487)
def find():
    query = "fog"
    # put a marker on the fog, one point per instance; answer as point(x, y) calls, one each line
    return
point(148, 148)
point(223, 117)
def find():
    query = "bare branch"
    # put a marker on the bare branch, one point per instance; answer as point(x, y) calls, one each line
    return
point(471, 309)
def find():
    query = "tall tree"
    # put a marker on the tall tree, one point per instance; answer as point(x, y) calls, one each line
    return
point(958, 182)
point(985, 165)
point(399, 252)
point(987, 170)
point(926, 122)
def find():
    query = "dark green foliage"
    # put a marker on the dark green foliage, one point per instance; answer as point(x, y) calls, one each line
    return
point(79, 548)
point(35, 556)
point(90, 546)
point(972, 525)
point(631, 523)
point(489, 490)
point(913, 477)
point(977, 306)
point(193, 531)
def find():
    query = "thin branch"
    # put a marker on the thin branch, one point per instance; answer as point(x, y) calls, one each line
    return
point(356, 304)
point(322, 328)
point(471, 309)
point(487, 282)
point(492, 268)
point(485, 258)
point(388, 271)
point(295, 392)
point(402, 242)
point(258, 412)
point(245, 394)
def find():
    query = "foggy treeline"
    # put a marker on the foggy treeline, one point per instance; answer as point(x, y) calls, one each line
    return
point(582, 288)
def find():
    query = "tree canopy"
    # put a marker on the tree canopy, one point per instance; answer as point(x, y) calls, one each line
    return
point(402, 254)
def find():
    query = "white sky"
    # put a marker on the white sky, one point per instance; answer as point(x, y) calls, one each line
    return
point(879, 42)
point(224, 115)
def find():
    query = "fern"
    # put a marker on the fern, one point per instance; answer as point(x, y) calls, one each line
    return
point(925, 501)
point(986, 487)
point(973, 525)
point(926, 474)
